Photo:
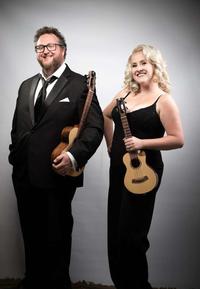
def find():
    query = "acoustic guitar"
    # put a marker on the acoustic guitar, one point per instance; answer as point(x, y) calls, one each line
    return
point(70, 133)
point(139, 178)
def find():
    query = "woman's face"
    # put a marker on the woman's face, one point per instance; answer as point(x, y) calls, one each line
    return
point(142, 69)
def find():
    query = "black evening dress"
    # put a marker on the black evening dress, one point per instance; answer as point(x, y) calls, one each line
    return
point(130, 215)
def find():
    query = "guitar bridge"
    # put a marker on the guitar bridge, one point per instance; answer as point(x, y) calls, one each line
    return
point(139, 180)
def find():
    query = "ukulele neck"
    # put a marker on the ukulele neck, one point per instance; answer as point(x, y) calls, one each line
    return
point(125, 125)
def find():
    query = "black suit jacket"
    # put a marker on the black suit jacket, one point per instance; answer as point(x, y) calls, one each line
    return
point(32, 144)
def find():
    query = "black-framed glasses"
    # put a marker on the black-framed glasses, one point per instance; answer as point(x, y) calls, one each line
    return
point(49, 46)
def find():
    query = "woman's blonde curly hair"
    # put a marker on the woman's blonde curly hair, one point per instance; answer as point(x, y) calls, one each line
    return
point(154, 56)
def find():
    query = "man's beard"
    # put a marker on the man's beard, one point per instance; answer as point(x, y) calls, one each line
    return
point(53, 66)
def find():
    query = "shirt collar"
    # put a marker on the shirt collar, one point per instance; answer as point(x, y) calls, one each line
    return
point(56, 73)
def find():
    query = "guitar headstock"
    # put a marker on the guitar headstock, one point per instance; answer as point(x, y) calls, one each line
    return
point(121, 106)
point(91, 77)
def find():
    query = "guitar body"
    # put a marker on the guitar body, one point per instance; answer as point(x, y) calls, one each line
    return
point(68, 136)
point(139, 177)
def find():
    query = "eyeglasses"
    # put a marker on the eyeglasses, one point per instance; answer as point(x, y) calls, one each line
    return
point(49, 46)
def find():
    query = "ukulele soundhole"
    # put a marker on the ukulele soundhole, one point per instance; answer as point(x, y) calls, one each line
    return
point(135, 162)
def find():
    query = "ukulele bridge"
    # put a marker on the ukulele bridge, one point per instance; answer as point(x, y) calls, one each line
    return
point(139, 180)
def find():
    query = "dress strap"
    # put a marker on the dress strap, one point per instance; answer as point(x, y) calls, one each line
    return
point(158, 98)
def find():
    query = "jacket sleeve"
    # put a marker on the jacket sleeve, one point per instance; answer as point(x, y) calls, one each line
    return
point(19, 137)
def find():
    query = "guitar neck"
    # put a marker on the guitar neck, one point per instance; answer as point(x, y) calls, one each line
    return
point(125, 125)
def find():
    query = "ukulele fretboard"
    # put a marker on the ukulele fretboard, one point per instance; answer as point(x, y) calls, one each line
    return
point(125, 125)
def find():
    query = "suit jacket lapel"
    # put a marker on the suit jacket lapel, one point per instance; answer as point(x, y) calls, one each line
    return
point(32, 95)
point(62, 81)
point(56, 90)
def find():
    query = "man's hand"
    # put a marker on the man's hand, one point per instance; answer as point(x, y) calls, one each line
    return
point(62, 164)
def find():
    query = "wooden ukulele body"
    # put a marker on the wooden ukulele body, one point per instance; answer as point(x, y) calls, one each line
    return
point(140, 178)
point(69, 134)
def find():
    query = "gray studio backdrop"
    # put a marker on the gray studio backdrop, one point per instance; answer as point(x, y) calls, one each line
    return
point(100, 37)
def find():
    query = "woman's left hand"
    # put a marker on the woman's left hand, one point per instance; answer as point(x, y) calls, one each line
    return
point(133, 143)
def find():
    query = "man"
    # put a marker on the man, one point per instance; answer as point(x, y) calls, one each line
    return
point(44, 192)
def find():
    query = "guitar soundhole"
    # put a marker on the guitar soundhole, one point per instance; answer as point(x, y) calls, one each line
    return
point(135, 162)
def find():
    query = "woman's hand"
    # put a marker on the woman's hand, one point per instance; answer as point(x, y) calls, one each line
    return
point(133, 143)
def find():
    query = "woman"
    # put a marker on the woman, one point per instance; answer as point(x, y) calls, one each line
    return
point(155, 125)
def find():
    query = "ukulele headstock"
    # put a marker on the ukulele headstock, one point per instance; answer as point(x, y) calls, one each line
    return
point(91, 77)
point(121, 106)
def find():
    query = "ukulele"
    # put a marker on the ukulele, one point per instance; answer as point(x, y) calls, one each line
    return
point(70, 133)
point(139, 177)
